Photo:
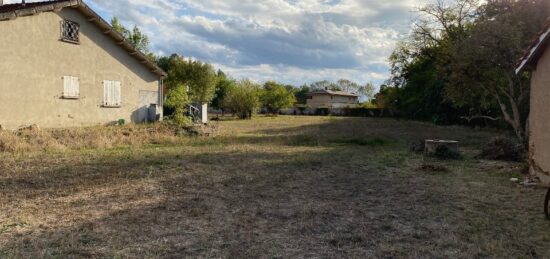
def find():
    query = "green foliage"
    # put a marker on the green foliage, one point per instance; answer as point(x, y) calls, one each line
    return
point(325, 84)
point(118, 27)
point(459, 62)
point(121, 122)
point(276, 97)
point(136, 37)
point(201, 78)
point(178, 100)
point(165, 62)
point(301, 94)
point(244, 99)
point(369, 105)
point(483, 64)
point(223, 86)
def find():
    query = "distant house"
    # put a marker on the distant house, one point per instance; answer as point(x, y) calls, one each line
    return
point(62, 65)
point(331, 99)
point(537, 60)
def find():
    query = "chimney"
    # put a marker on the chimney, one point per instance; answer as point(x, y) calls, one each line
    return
point(1, 2)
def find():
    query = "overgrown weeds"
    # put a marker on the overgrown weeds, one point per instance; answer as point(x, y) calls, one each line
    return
point(502, 148)
point(35, 139)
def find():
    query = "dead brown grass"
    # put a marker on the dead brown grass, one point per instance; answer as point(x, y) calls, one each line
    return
point(39, 140)
point(281, 187)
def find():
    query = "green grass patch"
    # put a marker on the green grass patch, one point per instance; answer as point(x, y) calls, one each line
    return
point(371, 142)
point(303, 141)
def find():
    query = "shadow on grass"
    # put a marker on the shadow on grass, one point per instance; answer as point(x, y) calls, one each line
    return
point(244, 204)
point(237, 202)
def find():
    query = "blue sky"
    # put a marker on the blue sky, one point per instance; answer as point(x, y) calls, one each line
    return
point(291, 41)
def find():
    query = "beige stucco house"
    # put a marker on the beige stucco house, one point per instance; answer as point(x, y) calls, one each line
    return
point(331, 99)
point(62, 65)
point(537, 59)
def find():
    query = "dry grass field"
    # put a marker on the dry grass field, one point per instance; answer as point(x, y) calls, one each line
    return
point(285, 187)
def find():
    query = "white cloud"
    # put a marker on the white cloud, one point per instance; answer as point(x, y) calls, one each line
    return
point(294, 41)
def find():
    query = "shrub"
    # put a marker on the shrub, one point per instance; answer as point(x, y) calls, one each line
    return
point(178, 100)
point(418, 146)
point(502, 148)
point(244, 99)
point(201, 78)
point(446, 153)
point(276, 97)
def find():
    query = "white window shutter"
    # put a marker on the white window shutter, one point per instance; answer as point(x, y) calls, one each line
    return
point(106, 91)
point(66, 85)
point(75, 87)
point(71, 87)
point(117, 95)
point(112, 94)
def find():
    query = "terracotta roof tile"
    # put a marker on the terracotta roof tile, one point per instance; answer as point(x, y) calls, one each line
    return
point(20, 6)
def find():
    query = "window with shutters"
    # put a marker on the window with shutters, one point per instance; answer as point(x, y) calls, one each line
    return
point(111, 94)
point(70, 31)
point(71, 87)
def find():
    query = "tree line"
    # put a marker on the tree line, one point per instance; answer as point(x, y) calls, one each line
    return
point(458, 64)
point(192, 81)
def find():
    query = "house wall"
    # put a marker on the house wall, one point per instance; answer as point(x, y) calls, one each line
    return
point(34, 61)
point(539, 120)
point(331, 101)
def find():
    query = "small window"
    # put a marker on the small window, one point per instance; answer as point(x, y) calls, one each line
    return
point(111, 94)
point(71, 87)
point(70, 31)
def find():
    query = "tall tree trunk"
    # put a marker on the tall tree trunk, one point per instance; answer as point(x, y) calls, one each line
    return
point(513, 119)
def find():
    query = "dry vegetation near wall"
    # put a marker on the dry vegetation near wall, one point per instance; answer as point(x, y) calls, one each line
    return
point(34, 139)
point(285, 187)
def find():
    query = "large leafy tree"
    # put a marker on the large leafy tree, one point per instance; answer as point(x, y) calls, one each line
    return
point(199, 77)
point(276, 97)
point(460, 60)
point(419, 64)
point(244, 99)
point(223, 86)
point(347, 85)
point(301, 94)
point(483, 64)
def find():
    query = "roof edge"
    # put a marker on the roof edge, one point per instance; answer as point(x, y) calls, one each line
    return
point(534, 51)
point(333, 93)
